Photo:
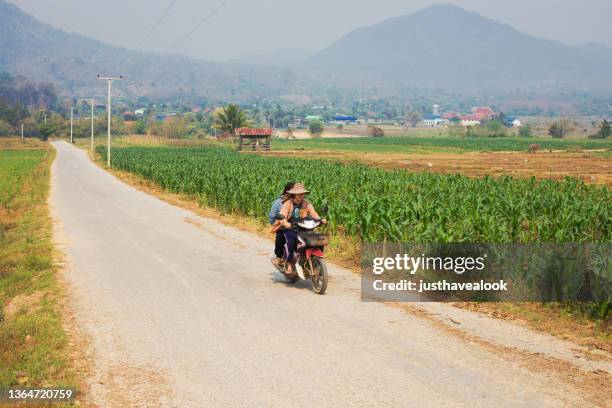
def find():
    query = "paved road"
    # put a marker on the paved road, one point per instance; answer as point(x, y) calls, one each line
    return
point(184, 311)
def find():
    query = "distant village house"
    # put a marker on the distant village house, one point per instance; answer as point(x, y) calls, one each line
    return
point(432, 120)
point(478, 116)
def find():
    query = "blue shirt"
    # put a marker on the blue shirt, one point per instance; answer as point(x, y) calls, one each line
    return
point(276, 207)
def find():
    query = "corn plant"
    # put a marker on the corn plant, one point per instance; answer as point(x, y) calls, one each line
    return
point(377, 204)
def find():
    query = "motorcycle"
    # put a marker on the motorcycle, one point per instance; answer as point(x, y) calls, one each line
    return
point(309, 262)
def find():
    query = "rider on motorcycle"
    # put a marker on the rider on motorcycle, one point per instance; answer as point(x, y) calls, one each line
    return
point(279, 242)
point(295, 207)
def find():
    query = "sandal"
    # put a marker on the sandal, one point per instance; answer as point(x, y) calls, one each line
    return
point(290, 272)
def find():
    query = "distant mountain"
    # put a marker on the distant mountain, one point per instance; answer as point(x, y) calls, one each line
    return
point(438, 49)
point(446, 47)
point(285, 57)
point(43, 53)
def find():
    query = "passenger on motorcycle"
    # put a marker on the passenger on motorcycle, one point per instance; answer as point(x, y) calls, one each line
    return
point(279, 242)
point(295, 207)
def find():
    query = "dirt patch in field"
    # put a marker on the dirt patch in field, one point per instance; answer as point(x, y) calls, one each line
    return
point(587, 166)
point(305, 134)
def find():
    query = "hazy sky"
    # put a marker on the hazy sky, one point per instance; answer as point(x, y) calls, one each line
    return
point(250, 27)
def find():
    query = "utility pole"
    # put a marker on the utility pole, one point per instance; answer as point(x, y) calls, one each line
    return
point(45, 118)
point(71, 115)
point(22, 132)
point(92, 125)
point(109, 81)
point(91, 101)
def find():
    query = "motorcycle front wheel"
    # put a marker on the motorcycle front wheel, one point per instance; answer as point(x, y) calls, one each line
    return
point(318, 275)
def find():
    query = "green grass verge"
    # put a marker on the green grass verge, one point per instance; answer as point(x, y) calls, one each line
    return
point(33, 345)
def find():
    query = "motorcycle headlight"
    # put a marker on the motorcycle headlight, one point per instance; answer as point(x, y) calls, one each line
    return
point(308, 224)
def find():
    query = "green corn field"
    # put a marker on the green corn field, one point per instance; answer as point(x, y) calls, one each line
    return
point(381, 205)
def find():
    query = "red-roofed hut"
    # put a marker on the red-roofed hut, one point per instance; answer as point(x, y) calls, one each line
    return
point(254, 138)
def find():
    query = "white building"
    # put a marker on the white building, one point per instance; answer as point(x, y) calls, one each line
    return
point(470, 120)
point(434, 121)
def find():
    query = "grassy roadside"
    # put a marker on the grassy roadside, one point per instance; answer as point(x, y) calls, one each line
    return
point(344, 250)
point(553, 318)
point(34, 348)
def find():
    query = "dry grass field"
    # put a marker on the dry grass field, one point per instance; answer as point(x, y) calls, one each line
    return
point(539, 127)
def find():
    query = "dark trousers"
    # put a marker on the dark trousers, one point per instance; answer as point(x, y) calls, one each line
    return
point(279, 244)
point(291, 244)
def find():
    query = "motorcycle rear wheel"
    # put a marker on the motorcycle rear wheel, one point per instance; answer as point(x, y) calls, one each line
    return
point(318, 275)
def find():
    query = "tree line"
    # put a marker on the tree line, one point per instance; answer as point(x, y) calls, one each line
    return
point(23, 101)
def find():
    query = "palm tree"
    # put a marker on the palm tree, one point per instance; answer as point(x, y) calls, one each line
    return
point(230, 118)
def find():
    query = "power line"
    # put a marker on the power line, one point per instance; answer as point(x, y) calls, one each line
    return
point(157, 23)
point(197, 26)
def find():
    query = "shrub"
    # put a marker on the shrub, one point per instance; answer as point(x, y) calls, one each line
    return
point(5, 128)
point(140, 128)
point(604, 131)
point(172, 128)
point(316, 128)
point(560, 128)
point(493, 128)
point(525, 131)
point(375, 131)
point(46, 129)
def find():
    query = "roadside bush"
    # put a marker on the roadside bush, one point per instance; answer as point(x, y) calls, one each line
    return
point(600, 311)
point(46, 130)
